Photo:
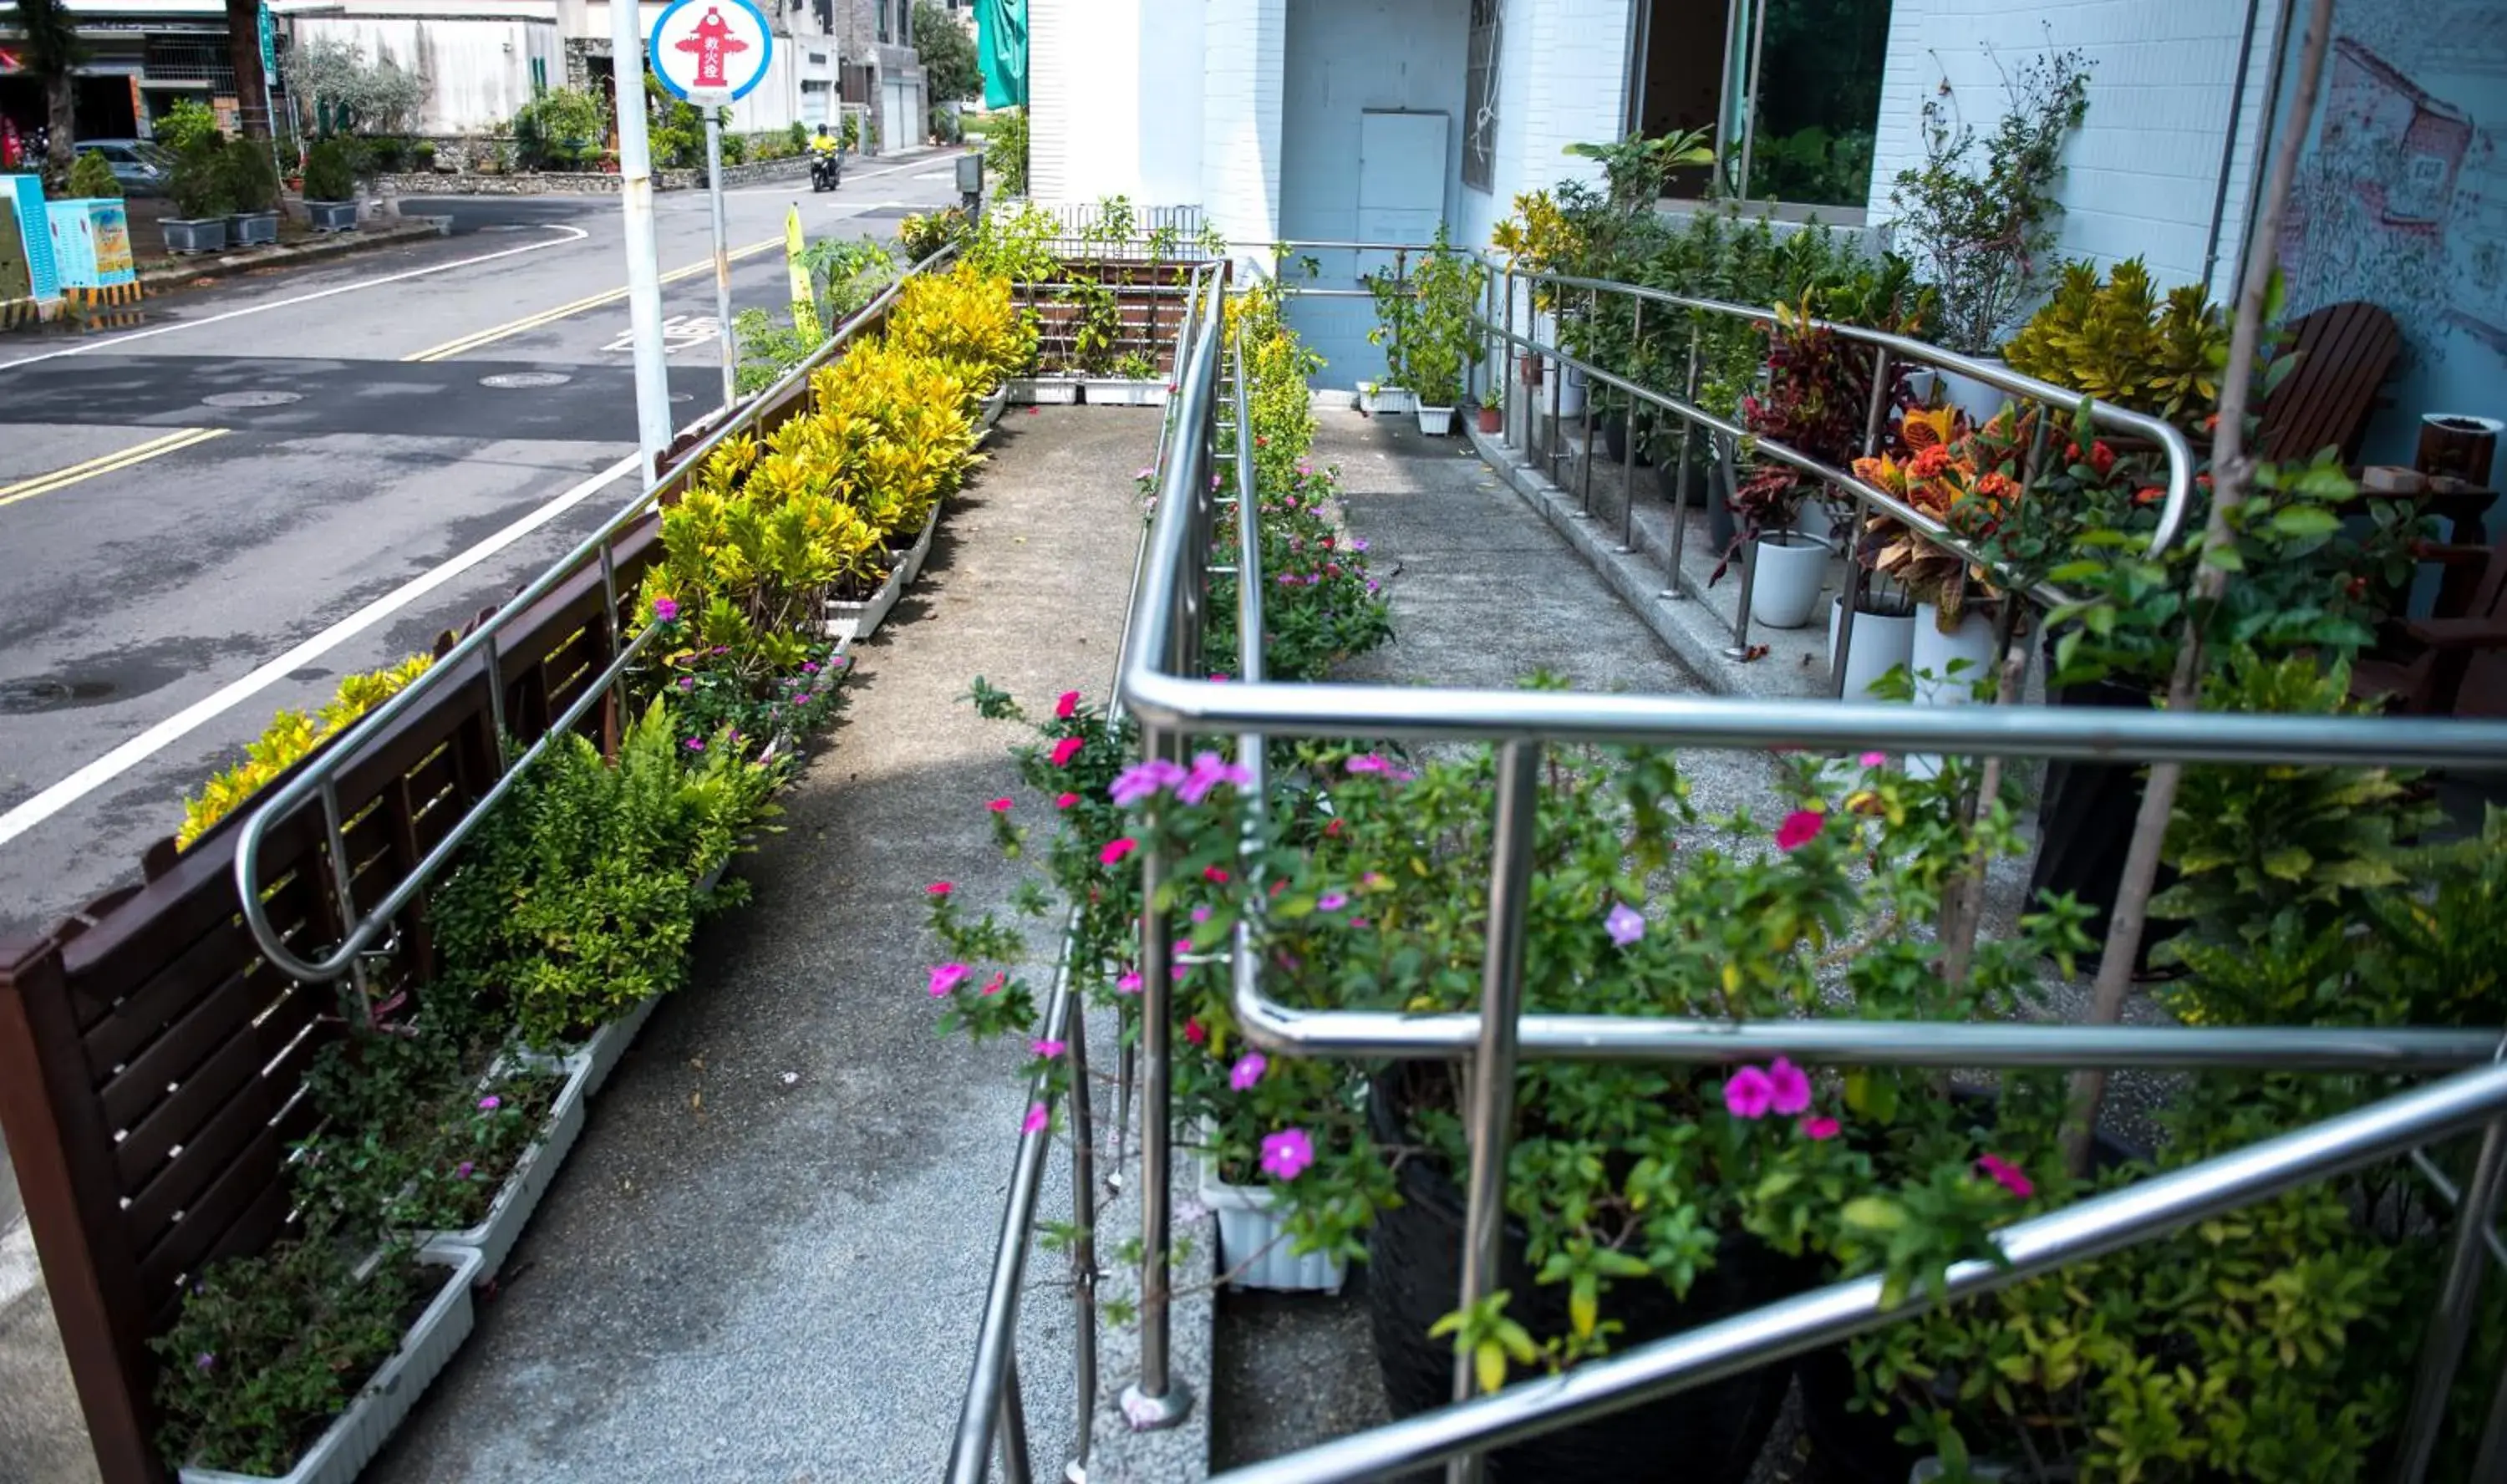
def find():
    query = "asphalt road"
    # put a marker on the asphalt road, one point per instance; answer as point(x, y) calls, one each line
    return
point(186, 503)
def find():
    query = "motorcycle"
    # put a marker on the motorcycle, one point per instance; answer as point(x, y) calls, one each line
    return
point(827, 171)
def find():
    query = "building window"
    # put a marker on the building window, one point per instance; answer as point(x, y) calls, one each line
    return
point(1479, 99)
point(1795, 102)
point(886, 31)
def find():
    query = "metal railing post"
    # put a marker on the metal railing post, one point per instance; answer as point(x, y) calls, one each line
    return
point(1157, 1399)
point(1018, 1465)
point(1688, 435)
point(1491, 1093)
point(1584, 507)
point(1083, 1238)
point(1628, 430)
point(2491, 1462)
point(1509, 369)
point(1740, 646)
point(2451, 1318)
point(1873, 420)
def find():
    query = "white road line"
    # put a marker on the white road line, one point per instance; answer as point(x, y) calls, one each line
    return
point(573, 235)
point(803, 181)
point(157, 738)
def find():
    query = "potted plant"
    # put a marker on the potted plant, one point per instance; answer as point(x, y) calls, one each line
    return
point(1493, 409)
point(330, 187)
point(1445, 285)
point(202, 198)
point(1970, 482)
point(1395, 331)
point(252, 190)
point(2117, 338)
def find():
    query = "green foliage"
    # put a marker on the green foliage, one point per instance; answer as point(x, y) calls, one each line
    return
point(950, 72)
point(1981, 231)
point(2115, 340)
point(415, 1139)
point(328, 176)
point(922, 235)
point(1636, 168)
point(289, 736)
point(252, 181)
point(270, 1348)
point(1448, 284)
point(332, 78)
point(577, 899)
point(564, 128)
point(187, 126)
point(1005, 151)
point(1811, 167)
point(203, 187)
point(92, 177)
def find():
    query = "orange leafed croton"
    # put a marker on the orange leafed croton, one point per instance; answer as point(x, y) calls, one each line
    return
point(1964, 478)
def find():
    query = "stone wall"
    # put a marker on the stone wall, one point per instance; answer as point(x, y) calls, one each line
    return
point(584, 183)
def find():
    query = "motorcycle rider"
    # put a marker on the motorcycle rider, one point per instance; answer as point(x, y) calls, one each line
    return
point(827, 159)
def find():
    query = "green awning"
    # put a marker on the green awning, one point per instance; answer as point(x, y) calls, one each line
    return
point(1000, 41)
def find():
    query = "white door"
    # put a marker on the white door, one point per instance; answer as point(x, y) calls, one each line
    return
point(896, 126)
point(1400, 177)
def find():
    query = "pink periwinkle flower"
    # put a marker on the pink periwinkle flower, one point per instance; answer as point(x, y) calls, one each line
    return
point(1247, 1070)
point(1067, 750)
point(999, 806)
point(1626, 925)
point(1116, 849)
point(995, 985)
point(2007, 1174)
point(1145, 778)
point(665, 609)
point(1036, 1118)
point(939, 889)
point(1048, 1049)
point(947, 977)
point(1067, 706)
point(1873, 759)
point(1209, 771)
point(1194, 1031)
point(1065, 801)
point(1801, 828)
point(490, 1102)
point(1215, 875)
point(687, 682)
point(1331, 901)
point(696, 744)
point(1819, 1127)
point(1200, 914)
point(462, 1170)
point(1286, 1154)
point(809, 667)
point(1129, 984)
point(1791, 1087)
point(1748, 1092)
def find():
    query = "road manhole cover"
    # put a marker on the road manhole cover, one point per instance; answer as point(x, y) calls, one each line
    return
point(508, 381)
point(43, 693)
point(251, 398)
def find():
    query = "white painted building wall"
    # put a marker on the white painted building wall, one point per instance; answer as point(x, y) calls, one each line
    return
point(2143, 174)
point(478, 70)
point(1245, 51)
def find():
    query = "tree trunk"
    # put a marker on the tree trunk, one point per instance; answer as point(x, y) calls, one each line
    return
point(61, 124)
point(252, 89)
point(2231, 469)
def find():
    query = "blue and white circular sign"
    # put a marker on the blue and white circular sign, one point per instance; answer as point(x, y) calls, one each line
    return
point(711, 50)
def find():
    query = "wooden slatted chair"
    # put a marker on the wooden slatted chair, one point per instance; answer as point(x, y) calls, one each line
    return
point(2346, 352)
point(2454, 663)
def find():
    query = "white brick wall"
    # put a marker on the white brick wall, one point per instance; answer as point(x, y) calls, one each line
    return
point(1245, 45)
point(2143, 173)
point(1562, 78)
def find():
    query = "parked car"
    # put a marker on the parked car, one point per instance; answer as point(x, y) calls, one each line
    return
point(143, 167)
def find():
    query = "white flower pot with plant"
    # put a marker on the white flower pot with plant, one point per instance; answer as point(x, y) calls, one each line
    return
point(492, 1236)
point(1043, 391)
point(1571, 389)
point(1395, 332)
point(1255, 1249)
point(601, 1051)
point(1885, 638)
point(1439, 345)
point(1788, 569)
point(1951, 654)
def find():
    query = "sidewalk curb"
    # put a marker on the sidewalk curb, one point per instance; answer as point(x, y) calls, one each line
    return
point(183, 275)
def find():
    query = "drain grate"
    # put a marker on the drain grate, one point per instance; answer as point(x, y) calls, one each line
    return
point(44, 693)
point(510, 381)
point(251, 398)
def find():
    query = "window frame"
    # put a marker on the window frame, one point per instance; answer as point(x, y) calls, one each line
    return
point(1481, 56)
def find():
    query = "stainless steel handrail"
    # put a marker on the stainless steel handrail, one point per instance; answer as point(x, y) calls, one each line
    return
point(317, 775)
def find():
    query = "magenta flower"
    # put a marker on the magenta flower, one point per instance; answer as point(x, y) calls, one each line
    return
point(1129, 984)
point(1747, 1093)
point(1142, 780)
point(1216, 875)
point(1873, 759)
point(665, 609)
point(1067, 750)
point(1200, 914)
point(996, 984)
point(1065, 801)
point(2007, 1174)
point(1116, 849)
point(1036, 1118)
point(1626, 925)
point(1330, 901)
point(1818, 1128)
point(999, 806)
point(1247, 1070)
point(1048, 1049)
point(947, 977)
point(687, 682)
point(809, 667)
point(1790, 1085)
point(1286, 1154)
point(939, 889)
point(490, 1102)
point(1066, 706)
point(462, 1170)
point(205, 1361)
point(1801, 828)
point(1209, 771)
point(696, 744)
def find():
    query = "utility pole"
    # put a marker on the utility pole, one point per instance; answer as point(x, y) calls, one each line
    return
point(643, 267)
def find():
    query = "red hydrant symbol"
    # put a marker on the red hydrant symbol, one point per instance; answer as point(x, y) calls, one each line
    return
point(712, 43)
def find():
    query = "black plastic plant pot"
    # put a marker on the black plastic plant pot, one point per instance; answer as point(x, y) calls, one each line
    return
point(1707, 1434)
point(1615, 440)
point(2086, 823)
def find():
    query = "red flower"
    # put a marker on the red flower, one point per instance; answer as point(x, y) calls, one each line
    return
point(1066, 705)
point(2007, 1174)
point(2102, 458)
point(1193, 1033)
point(1116, 849)
point(2149, 494)
point(939, 889)
point(1213, 875)
point(1801, 828)
point(1067, 750)
point(999, 806)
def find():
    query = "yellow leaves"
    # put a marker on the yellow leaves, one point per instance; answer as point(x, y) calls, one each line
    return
point(290, 735)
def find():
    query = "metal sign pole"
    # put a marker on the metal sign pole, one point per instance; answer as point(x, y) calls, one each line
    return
point(721, 258)
point(643, 267)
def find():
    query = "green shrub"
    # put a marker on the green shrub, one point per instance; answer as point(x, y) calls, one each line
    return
point(328, 176)
point(1005, 151)
point(187, 126)
point(561, 129)
point(201, 185)
point(252, 181)
point(93, 177)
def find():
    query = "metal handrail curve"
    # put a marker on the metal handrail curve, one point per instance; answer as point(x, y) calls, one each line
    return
point(319, 775)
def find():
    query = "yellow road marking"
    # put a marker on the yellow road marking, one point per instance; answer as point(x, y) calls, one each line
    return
point(137, 454)
point(473, 341)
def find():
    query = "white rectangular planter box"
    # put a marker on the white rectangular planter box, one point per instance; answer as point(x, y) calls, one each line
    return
point(849, 623)
point(912, 565)
point(331, 216)
point(989, 415)
point(358, 1434)
point(1375, 397)
point(1122, 391)
point(601, 1053)
point(1043, 391)
point(1248, 1225)
point(494, 1235)
point(1436, 421)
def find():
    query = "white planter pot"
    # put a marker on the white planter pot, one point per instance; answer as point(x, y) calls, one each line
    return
point(1815, 521)
point(1122, 391)
point(1787, 572)
point(494, 1235)
point(1934, 651)
point(1043, 391)
point(601, 1051)
point(358, 1434)
point(1254, 1246)
point(1436, 421)
point(849, 623)
point(1979, 400)
point(1926, 1471)
point(331, 216)
point(989, 415)
point(1571, 389)
point(912, 565)
point(1378, 397)
point(1881, 643)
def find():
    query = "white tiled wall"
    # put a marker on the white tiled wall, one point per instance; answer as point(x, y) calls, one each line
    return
point(2143, 173)
point(1245, 47)
point(1562, 78)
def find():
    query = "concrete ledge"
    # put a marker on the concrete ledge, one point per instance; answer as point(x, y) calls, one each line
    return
point(1116, 1454)
point(183, 272)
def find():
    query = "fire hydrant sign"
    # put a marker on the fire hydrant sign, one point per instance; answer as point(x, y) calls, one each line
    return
point(711, 50)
